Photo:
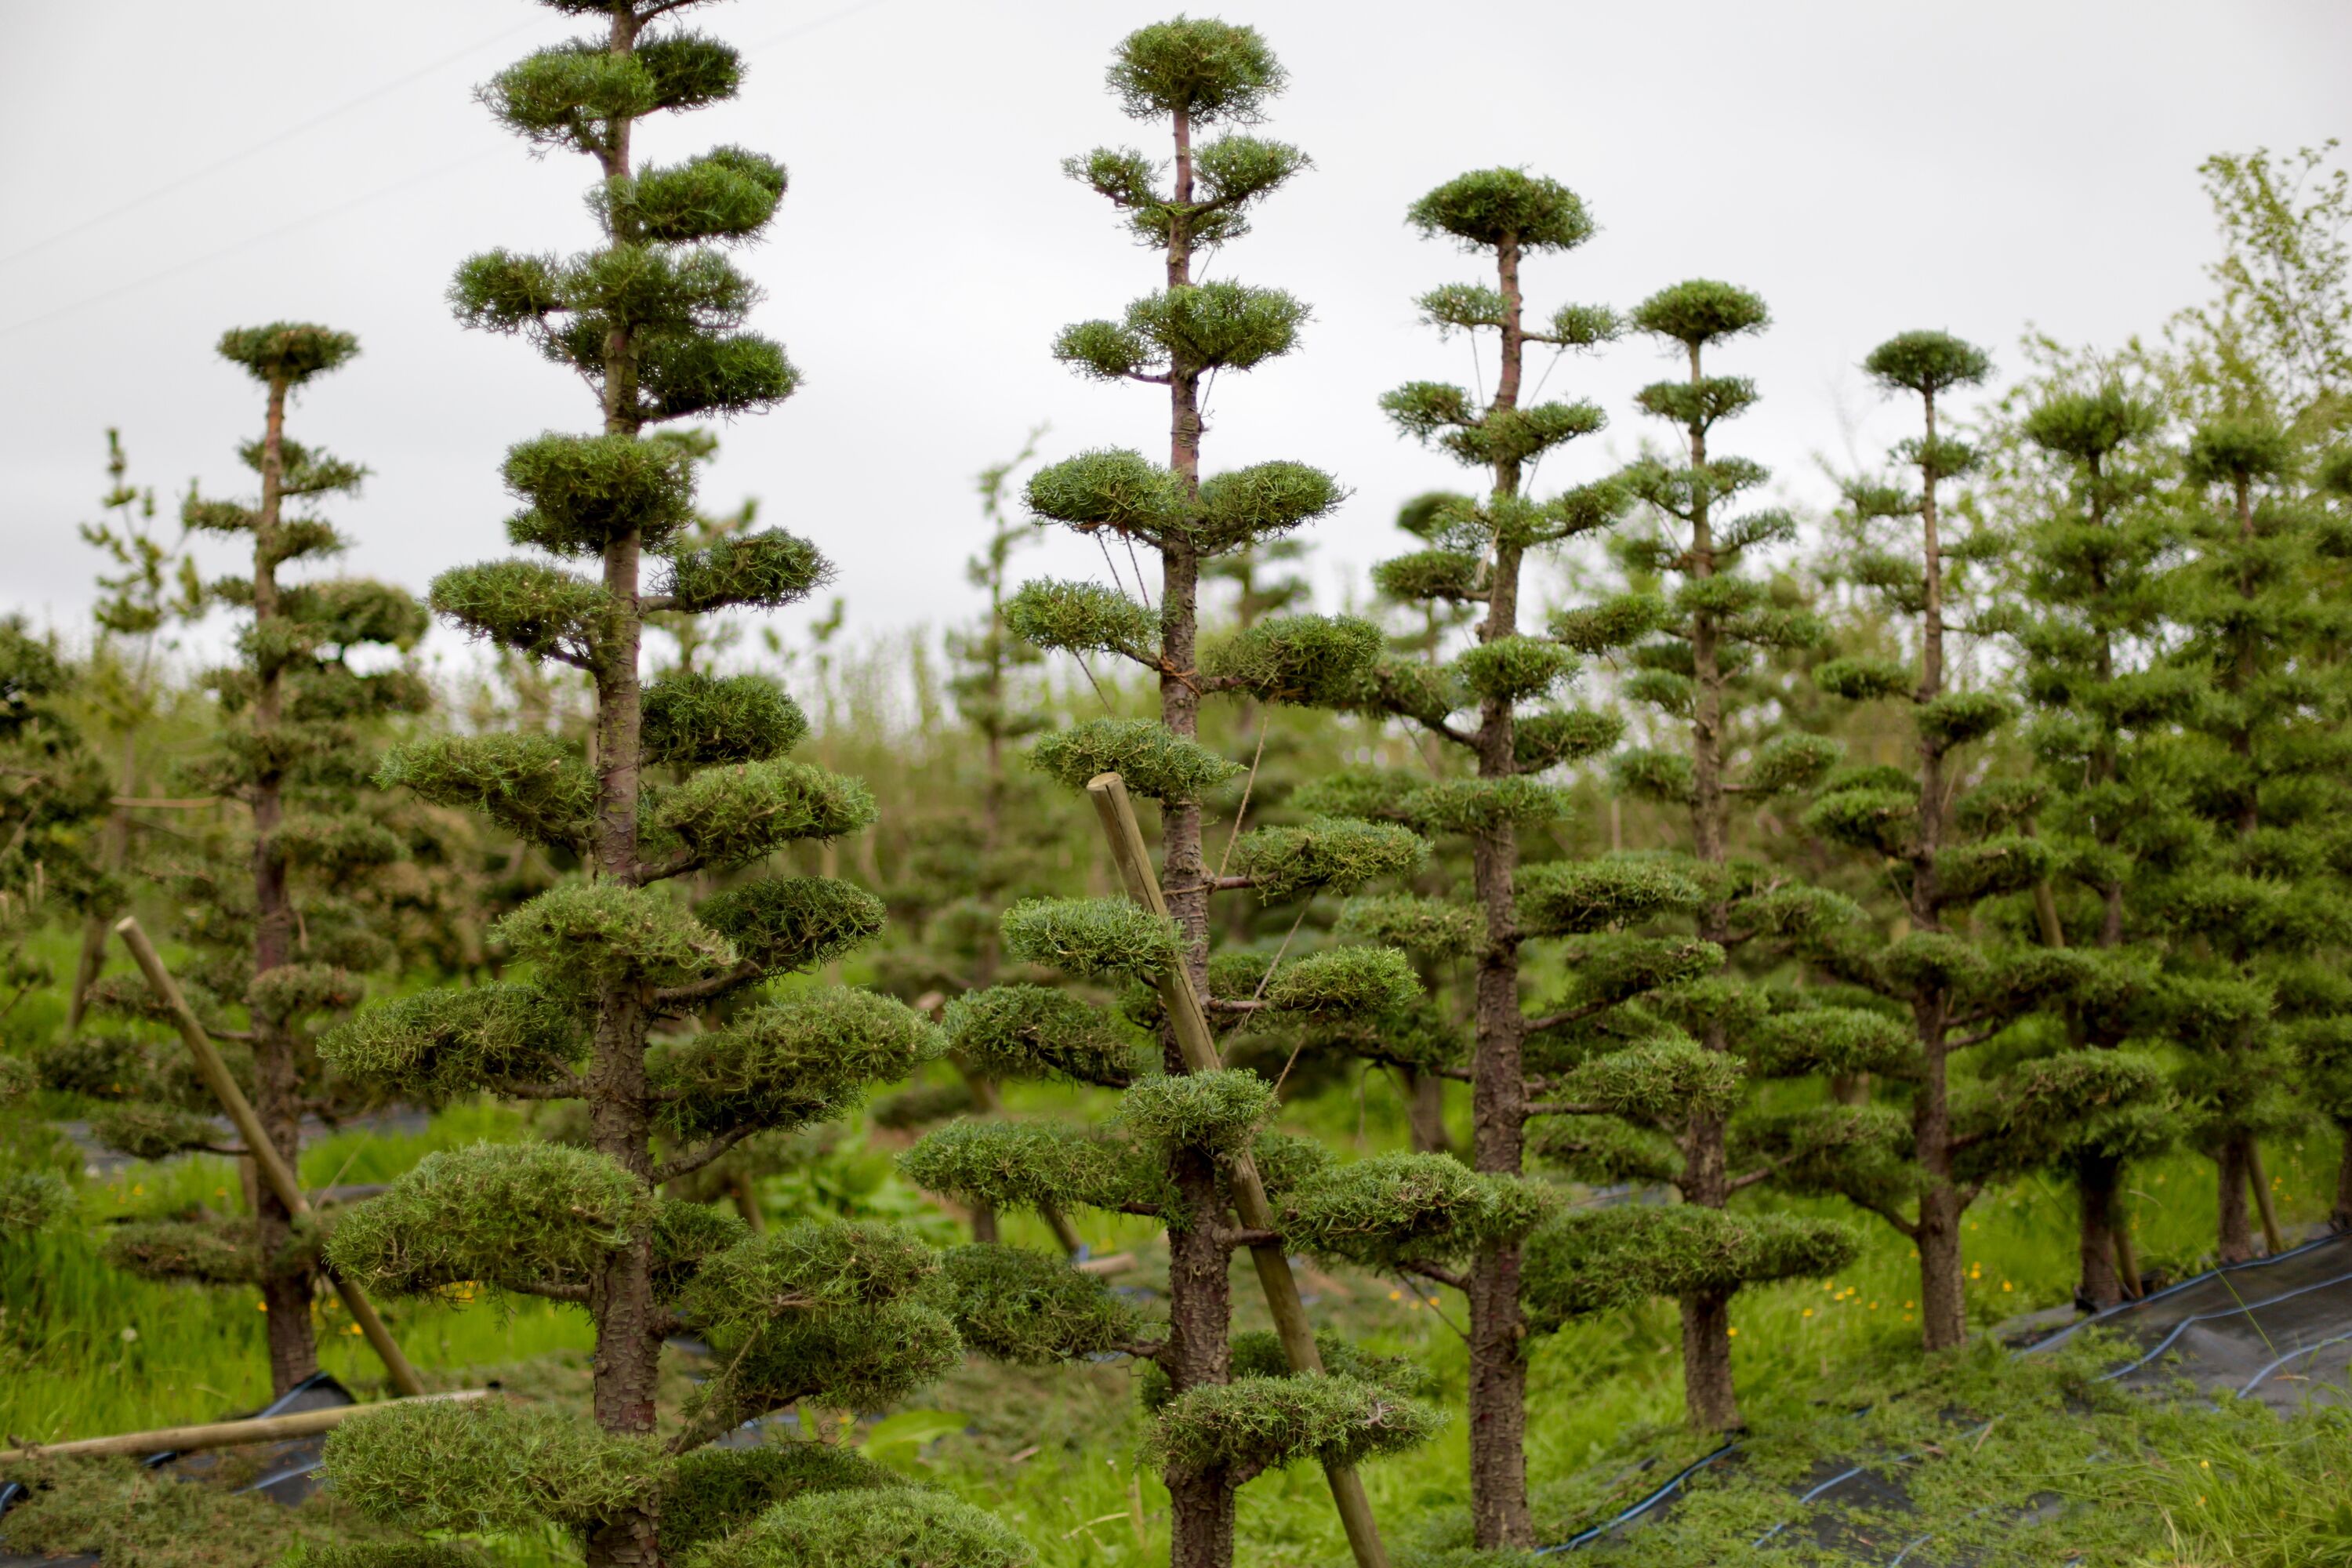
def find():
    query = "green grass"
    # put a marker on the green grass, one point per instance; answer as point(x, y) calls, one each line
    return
point(86, 1350)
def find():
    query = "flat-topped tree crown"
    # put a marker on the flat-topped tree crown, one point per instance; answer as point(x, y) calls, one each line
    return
point(615, 998)
point(1180, 1147)
point(289, 354)
point(1496, 209)
point(1928, 362)
point(1700, 311)
point(285, 914)
point(1204, 70)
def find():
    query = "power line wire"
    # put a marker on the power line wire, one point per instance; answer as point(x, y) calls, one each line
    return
point(263, 145)
point(250, 241)
point(340, 207)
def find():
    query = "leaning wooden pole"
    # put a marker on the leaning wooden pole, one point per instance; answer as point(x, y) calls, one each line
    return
point(266, 1158)
point(215, 1434)
point(1199, 1048)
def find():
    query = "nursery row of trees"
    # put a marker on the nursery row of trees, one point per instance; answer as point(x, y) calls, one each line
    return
point(1995, 826)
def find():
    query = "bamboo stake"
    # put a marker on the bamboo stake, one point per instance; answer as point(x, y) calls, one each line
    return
point(1199, 1048)
point(2274, 1239)
point(218, 1434)
point(271, 1165)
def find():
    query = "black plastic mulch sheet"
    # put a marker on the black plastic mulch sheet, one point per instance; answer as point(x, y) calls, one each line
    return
point(2277, 1329)
point(287, 1470)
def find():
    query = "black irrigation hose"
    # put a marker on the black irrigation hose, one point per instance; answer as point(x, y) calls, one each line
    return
point(2122, 1306)
point(1681, 1477)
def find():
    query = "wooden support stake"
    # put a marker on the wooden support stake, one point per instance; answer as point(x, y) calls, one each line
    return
point(2274, 1239)
point(1199, 1048)
point(218, 1433)
point(266, 1158)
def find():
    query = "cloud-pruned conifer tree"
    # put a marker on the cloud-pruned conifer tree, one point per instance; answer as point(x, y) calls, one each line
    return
point(280, 904)
point(2259, 914)
point(1944, 848)
point(1180, 1142)
point(1480, 701)
point(687, 773)
point(2104, 709)
point(1700, 653)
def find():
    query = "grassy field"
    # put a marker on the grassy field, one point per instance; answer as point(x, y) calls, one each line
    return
point(85, 1350)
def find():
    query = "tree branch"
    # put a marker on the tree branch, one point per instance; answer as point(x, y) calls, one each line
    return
point(566, 1088)
point(677, 998)
point(1565, 1108)
point(1574, 1014)
point(687, 1163)
point(1440, 1273)
point(552, 1289)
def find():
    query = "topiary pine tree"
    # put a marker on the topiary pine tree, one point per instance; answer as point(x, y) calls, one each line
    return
point(283, 918)
point(1945, 849)
point(2322, 1034)
point(2089, 570)
point(1478, 558)
point(1224, 1408)
point(1190, 74)
point(124, 685)
point(2265, 772)
point(1698, 652)
point(651, 318)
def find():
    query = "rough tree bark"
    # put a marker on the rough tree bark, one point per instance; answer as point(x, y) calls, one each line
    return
point(1499, 1099)
point(1708, 1398)
point(1943, 1312)
point(286, 1286)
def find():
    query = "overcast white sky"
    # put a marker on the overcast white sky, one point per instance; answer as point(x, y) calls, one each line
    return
point(1867, 165)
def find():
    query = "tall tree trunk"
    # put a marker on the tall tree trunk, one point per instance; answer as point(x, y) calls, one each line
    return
point(1942, 1286)
point(1200, 1302)
point(627, 1369)
point(1498, 1096)
point(286, 1285)
point(2097, 1184)
point(2339, 1218)
point(1708, 1399)
point(1200, 1297)
point(2236, 1232)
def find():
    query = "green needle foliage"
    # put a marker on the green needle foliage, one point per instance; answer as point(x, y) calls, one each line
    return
point(1167, 1150)
point(1944, 848)
point(1702, 651)
point(289, 907)
point(687, 778)
point(2263, 770)
point(1495, 702)
point(2110, 803)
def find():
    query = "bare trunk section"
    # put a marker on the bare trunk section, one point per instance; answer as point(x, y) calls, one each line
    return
point(628, 1321)
point(2235, 1231)
point(1943, 1312)
point(1708, 1400)
point(2097, 1182)
point(1498, 1096)
point(2339, 1218)
point(286, 1285)
point(1200, 1306)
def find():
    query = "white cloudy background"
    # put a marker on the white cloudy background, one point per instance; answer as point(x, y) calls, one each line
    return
point(1867, 165)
